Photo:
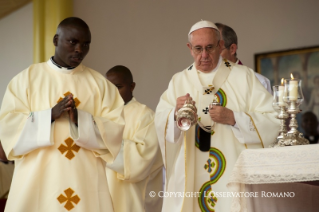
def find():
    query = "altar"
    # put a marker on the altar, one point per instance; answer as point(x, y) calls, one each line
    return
point(276, 179)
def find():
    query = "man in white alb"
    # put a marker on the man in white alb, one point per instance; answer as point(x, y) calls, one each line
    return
point(60, 121)
point(137, 170)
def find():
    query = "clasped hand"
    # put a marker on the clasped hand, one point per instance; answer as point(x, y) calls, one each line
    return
point(66, 104)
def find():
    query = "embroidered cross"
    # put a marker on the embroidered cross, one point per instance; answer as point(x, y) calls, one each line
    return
point(227, 64)
point(69, 148)
point(205, 110)
point(209, 90)
point(68, 199)
point(190, 68)
point(212, 200)
point(76, 100)
point(209, 165)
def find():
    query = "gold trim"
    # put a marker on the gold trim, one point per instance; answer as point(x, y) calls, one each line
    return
point(165, 146)
point(261, 141)
point(209, 90)
point(185, 169)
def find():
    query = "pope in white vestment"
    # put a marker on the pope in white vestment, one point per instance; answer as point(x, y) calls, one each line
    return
point(60, 166)
point(196, 180)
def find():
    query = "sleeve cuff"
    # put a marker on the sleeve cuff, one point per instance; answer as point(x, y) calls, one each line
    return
point(35, 134)
point(244, 129)
point(86, 134)
point(173, 133)
point(118, 164)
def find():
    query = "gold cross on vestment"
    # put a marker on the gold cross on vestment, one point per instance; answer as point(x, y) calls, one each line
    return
point(68, 199)
point(76, 100)
point(209, 90)
point(69, 148)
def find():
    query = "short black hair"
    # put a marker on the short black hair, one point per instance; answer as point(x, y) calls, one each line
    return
point(124, 71)
point(73, 21)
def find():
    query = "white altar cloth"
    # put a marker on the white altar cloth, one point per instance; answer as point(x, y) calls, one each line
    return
point(270, 180)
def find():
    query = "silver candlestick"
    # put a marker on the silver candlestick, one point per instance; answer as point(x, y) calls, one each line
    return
point(293, 97)
point(280, 106)
point(294, 137)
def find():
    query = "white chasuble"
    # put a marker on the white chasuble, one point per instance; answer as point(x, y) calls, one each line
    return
point(141, 163)
point(198, 179)
point(58, 166)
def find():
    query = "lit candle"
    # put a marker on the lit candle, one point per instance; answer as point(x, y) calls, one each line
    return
point(281, 89)
point(293, 88)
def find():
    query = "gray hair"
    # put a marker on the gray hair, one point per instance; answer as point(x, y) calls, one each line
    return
point(229, 35)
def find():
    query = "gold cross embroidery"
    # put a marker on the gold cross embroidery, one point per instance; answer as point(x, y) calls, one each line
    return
point(76, 100)
point(69, 199)
point(69, 147)
point(209, 90)
point(227, 63)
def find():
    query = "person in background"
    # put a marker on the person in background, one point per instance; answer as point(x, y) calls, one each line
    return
point(61, 121)
point(229, 51)
point(137, 170)
point(199, 161)
point(309, 123)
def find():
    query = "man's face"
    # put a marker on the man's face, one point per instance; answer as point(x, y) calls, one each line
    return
point(125, 88)
point(71, 45)
point(205, 38)
point(228, 54)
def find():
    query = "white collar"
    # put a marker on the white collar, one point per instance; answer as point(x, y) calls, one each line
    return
point(59, 68)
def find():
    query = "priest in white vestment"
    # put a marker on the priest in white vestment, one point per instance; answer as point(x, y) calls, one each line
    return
point(61, 121)
point(199, 161)
point(137, 170)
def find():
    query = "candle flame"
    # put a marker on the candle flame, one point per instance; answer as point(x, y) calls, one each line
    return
point(292, 76)
point(282, 81)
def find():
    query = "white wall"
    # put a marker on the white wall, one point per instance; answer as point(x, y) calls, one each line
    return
point(149, 36)
point(16, 45)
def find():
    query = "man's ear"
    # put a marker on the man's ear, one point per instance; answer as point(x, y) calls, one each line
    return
point(189, 46)
point(233, 49)
point(55, 39)
point(132, 86)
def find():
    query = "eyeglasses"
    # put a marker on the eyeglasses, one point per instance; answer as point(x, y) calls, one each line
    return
point(209, 49)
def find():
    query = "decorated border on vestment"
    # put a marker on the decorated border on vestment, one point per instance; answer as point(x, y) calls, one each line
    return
point(216, 165)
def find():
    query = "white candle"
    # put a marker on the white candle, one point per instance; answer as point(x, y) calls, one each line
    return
point(281, 95)
point(293, 89)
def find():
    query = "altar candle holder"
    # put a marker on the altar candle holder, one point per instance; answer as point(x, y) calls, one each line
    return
point(293, 97)
point(280, 107)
